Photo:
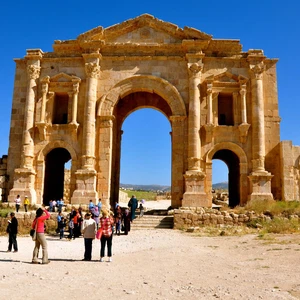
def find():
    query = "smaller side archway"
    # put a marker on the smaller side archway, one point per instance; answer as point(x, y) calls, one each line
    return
point(50, 167)
point(235, 159)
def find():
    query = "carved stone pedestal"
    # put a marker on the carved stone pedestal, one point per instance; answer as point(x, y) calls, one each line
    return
point(195, 195)
point(23, 185)
point(260, 186)
point(85, 187)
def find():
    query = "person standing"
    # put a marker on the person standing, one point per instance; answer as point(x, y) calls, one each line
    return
point(126, 219)
point(106, 223)
point(26, 203)
point(18, 203)
point(141, 207)
point(133, 204)
point(71, 228)
point(62, 226)
point(91, 205)
point(12, 230)
point(39, 223)
point(118, 219)
point(89, 232)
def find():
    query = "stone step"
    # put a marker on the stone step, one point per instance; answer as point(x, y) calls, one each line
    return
point(153, 222)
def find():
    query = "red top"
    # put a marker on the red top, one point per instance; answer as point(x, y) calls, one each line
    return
point(40, 222)
point(106, 224)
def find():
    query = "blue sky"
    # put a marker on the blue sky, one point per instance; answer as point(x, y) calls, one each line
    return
point(273, 26)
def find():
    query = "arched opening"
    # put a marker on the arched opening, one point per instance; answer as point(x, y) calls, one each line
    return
point(54, 179)
point(146, 149)
point(144, 146)
point(233, 164)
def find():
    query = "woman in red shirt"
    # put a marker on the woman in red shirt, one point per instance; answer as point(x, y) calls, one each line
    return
point(106, 223)
point(39, 225)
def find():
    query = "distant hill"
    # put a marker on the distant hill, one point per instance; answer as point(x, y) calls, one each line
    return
point(149, 187)
point(220, 186)
point(165, 188)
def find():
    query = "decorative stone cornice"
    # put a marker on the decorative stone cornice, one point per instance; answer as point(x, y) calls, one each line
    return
point(92, 70)
point(33, 71)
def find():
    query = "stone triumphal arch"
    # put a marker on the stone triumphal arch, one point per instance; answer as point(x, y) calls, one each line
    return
point(69, 106)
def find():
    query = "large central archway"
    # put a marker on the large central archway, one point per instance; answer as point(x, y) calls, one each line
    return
point(127, 96)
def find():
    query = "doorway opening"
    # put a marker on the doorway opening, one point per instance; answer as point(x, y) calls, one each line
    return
point(55, 174)
point(232, 162)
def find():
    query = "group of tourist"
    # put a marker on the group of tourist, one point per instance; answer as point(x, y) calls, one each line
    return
point(59, 204)
point(18, 203)
point(87, 225)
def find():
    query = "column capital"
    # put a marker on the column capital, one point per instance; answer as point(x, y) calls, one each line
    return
point(257, 70)
point(33, 71)
point(92, 70)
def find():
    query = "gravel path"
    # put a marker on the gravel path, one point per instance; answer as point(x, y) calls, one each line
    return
point(156, 264)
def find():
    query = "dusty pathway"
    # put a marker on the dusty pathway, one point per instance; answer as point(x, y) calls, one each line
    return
point(156, 264)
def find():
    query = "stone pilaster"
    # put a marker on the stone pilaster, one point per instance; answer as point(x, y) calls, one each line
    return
point(105, 154)
point(178, 150)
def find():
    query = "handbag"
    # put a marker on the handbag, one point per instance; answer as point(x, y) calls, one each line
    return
point(33, 232)
point(99, 233)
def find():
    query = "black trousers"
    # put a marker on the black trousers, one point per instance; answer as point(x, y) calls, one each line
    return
point(88, 249)
point(103, 241)
point(12, 241)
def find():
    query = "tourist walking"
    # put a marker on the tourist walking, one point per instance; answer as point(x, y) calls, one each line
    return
point(18, 203)
point(99, 205)
point(26, 203)
point(141, 207)
point(126, 220)
point(106, 223)
point(39, 224)
point(12, 230)
point(132, 204)
point(89, 232)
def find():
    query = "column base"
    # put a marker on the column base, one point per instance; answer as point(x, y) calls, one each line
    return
point(260, 186)
point(195, 195)
point(23, 185)
point(85, 187)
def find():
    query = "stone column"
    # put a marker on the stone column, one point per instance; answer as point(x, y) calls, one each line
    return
point(260, 179)
point(209, 104)
point(75, 102)
point(86, 176)
point(45, 87)
point(33, 71)
point(24, 177)
point(194, 149)
point(92, 70)
point(195, 194)
point(243, 104)
point(258, 124)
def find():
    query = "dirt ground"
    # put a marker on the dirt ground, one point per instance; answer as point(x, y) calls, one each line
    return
point(156, 264)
